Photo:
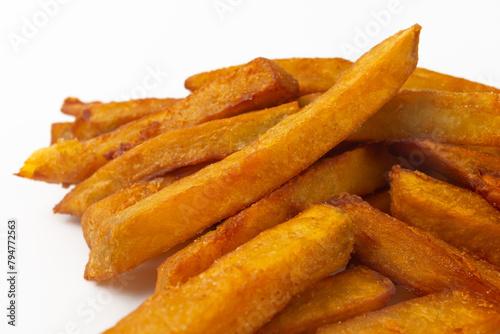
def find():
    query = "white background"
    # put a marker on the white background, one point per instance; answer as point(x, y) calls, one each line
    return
point(104, 50)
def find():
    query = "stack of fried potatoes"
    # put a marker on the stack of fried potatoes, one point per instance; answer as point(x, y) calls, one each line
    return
point(329, 182)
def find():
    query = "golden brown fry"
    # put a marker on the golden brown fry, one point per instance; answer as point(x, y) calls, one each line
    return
point(105, 117)
point(360, 171)
point(317, 75)
point(101, 210)
point(458, 118)
point(454, 214)
point(185, 208)
point(493, 150)
point(257, 85)
point(245, 288)
point(197, 144)
point(414, 258)
point(475, 170)
point(380, 200)
point(74, 107)
point(306, 99)
point(445, 312)
point(61, 131)
point(335, 298)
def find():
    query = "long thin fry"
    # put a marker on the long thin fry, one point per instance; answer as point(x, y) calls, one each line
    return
point(454, 214)
point(245, 288)
point(317, 75)
point(257, 85)
point(335, 298)
point(414, 258)
point(446, 312)
point(197, 144)
point(101, 210)
point(187, 207)
point(458, 118)
point(360, 171)
point(105, 117)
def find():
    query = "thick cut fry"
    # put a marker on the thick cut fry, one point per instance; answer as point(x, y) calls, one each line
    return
point(412, 257)
point(61, 131)
point(360, 171)
point(454, 214)
point(101, 210)
point(458, 118)
point(257, 85)
point(189, 206)
point(475, 170)
point(197, 144)
point(74, 107)
point(335, 298)
point(244, 289)
point(445, 312)
point(317, 75)
point(105, 117)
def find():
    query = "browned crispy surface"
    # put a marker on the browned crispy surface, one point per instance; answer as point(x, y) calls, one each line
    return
point(335, 298)
point(317, 75)
point(100, 118)
point(459, 118)
point(245, 288)
point(210, 141)
point(110, 205)
point(454, 214)
point(360, 171)
point(74, 107)
point(185, 208)
point(475, 170)
point(412, 257)
point(257, 85)
point(445, 312)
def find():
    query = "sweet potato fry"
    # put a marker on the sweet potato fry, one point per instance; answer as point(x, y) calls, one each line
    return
point(360, 171)
point(257, 85)
point(445, 312)
point(220, 190)
point(210, 141)
point(412, 257)
point(61, 131)
point(317, 75)
point(245, 288)
point(456, 215)
point(101, 210)
point(475, 170)
point(458, 118)
point(74, 107)
point(335, 298)
point(105, 117)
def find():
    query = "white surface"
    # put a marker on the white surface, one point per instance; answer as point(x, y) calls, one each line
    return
point(103, 50)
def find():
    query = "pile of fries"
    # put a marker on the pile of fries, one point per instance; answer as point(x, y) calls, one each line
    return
point(278, 153)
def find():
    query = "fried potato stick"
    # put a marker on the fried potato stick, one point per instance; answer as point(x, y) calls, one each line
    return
point(317, 75)
point(445, 312)
point(210, 141)
point(74, 107)
point(244, 289)
point(257, 85)
point(360, 171)
point(335, 298)
point(456, 215)
point(412, 257)
point(105, 117)
point(185, 208)
point(475, 170)
point(458, 118)
point(110, 205)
